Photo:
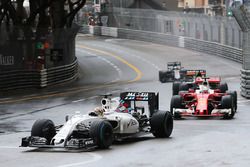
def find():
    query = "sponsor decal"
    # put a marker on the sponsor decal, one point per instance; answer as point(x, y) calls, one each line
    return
point(6, 60)
point(89, 142)
point(131, 123)
point(140, 96)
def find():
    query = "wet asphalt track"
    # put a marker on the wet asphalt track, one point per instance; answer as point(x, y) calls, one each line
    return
point(116, 65)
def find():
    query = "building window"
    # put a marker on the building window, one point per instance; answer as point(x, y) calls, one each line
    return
point(168, 26)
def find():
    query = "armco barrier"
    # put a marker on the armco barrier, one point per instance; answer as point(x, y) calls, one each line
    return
point(19, 79)
point(61, 74)
point(38, 78)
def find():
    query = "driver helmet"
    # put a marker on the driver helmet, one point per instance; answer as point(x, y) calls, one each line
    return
point(123, 107)
point(204, 86)
point(198, 80)
point(99, 111)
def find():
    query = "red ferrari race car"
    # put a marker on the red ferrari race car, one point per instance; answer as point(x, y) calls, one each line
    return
point(194, 78)
point(209, 98)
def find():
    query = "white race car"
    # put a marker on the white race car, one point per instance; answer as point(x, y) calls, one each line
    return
point(118, 118)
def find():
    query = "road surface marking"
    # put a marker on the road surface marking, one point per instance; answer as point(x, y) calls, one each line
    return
point(107, 61)
point(243, 101)
point(13, 147)
point(96, 157)
point(135, 69)
point(133, 55)
point(80, 100)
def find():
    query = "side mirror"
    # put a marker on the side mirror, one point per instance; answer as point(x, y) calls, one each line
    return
point(66, 118)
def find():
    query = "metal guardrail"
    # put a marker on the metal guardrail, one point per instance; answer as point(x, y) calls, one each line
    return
point(61, 74)
point(19, 79)
point(212, 48)
point(10, 80)
point(215, 49)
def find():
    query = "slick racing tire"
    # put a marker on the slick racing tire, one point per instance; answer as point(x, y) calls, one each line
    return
point(162, 77)
point(161, 124)
point(184, 87)
point(234, 95)
point(176, 102)
point(176, 88)
point(44, 128)
point(227, 103)
point(102, 133)
point(223, 87)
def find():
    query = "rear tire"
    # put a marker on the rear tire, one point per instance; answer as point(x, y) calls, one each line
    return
point(184, 87)
point(102, 133)
point(176, 88)
point(44, 128)
point(223, 87)
point(176, 102)
point(162, 77)
point(227, 103)
point(161, 124)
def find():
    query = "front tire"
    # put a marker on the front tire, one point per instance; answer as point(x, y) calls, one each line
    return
point(44, 128)
point(227, 103)
point(234, 95)
point(176, 102)
point(161, 124)
point(102, 133)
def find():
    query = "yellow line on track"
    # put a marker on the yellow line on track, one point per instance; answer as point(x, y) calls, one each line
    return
point(135, 69)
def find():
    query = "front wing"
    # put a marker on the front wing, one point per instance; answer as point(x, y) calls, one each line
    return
point(191, 113)
point(40, 142)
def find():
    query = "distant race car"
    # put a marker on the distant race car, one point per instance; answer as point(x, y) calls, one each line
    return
point(207, 98)
point(195, 77)
point(176, 72)
point(118, 118)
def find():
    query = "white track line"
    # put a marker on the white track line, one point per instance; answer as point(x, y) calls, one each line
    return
point(13, 147)
point(96, 157)
point(80, 100)
point(243, 101)
point(133, 55)
point(88, 98)
point(6, 98)
point(107, 61)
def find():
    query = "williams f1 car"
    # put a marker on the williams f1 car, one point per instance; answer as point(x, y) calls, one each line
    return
point(209, 98)
point(118, 118)
point(176, 72)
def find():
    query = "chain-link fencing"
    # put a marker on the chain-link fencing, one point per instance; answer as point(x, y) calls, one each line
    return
point(223, 30)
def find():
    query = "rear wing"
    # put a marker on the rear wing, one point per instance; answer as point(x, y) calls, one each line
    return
point(172, 64)
point(196, 73)
point(214, 79)
point(151, 97)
